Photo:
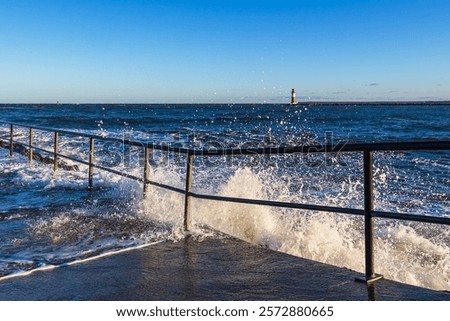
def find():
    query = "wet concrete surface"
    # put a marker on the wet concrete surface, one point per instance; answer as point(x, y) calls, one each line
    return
point(212, 269)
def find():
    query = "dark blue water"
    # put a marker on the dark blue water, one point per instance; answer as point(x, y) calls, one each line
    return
point(352, 122)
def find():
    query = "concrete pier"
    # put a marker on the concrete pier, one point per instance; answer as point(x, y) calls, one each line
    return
point(212, 269)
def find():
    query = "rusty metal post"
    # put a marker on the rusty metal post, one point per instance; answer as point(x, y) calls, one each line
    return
point(55, 152)
point(11, 140)
point(370, 276)
point(30, 145)
point(146, 169)
point(91, 163)
point(187, 210)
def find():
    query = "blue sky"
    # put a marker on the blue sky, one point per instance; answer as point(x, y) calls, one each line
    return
point(223, 51)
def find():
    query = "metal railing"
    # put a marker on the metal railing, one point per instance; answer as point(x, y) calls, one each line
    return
point(367, 149)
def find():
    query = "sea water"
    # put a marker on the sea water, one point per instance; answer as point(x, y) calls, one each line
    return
point(49, 218)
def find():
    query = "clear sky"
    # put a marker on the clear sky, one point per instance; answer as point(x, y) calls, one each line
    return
point(223, 51)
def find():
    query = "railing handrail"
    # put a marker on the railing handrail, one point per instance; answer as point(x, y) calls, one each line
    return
point(367, 148)
point(425, 145)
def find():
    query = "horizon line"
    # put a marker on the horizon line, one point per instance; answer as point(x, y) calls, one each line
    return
point(318, 102)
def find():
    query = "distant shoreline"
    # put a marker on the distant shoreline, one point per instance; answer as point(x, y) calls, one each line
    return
point(300, 103)
point(395, 103)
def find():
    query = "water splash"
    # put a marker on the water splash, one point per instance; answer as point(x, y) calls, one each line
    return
point(117, 217)
point(418, 254)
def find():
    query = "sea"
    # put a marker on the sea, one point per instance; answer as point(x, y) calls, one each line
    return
point(50, 219)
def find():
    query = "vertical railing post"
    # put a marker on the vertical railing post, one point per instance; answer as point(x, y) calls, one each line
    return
point(91, 163)
point(187, 210)
point(146, 169)
point(368, 219)
point(126, 150)
point(11, 140)
point(55, 152)
point(30, 145)
point(368, 208)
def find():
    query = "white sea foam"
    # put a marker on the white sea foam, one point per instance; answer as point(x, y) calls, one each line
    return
point(404, 252)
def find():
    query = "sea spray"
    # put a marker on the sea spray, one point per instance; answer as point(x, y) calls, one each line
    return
point(413, 253)
point(403, 252)
point(248, 222)
point(114, 215)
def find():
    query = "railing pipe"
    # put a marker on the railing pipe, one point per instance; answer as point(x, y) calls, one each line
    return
point(146, 169)
point(91, 163)
point(368, 208)
point(309, 207)
point(368, 219)
point(30, 145)
point(423, 218)
point(332, 148)
point(187, 196)
point(55, 152)
point(11, 140)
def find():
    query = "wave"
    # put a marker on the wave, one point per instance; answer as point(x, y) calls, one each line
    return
point(64, 223)
point(413, 253)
